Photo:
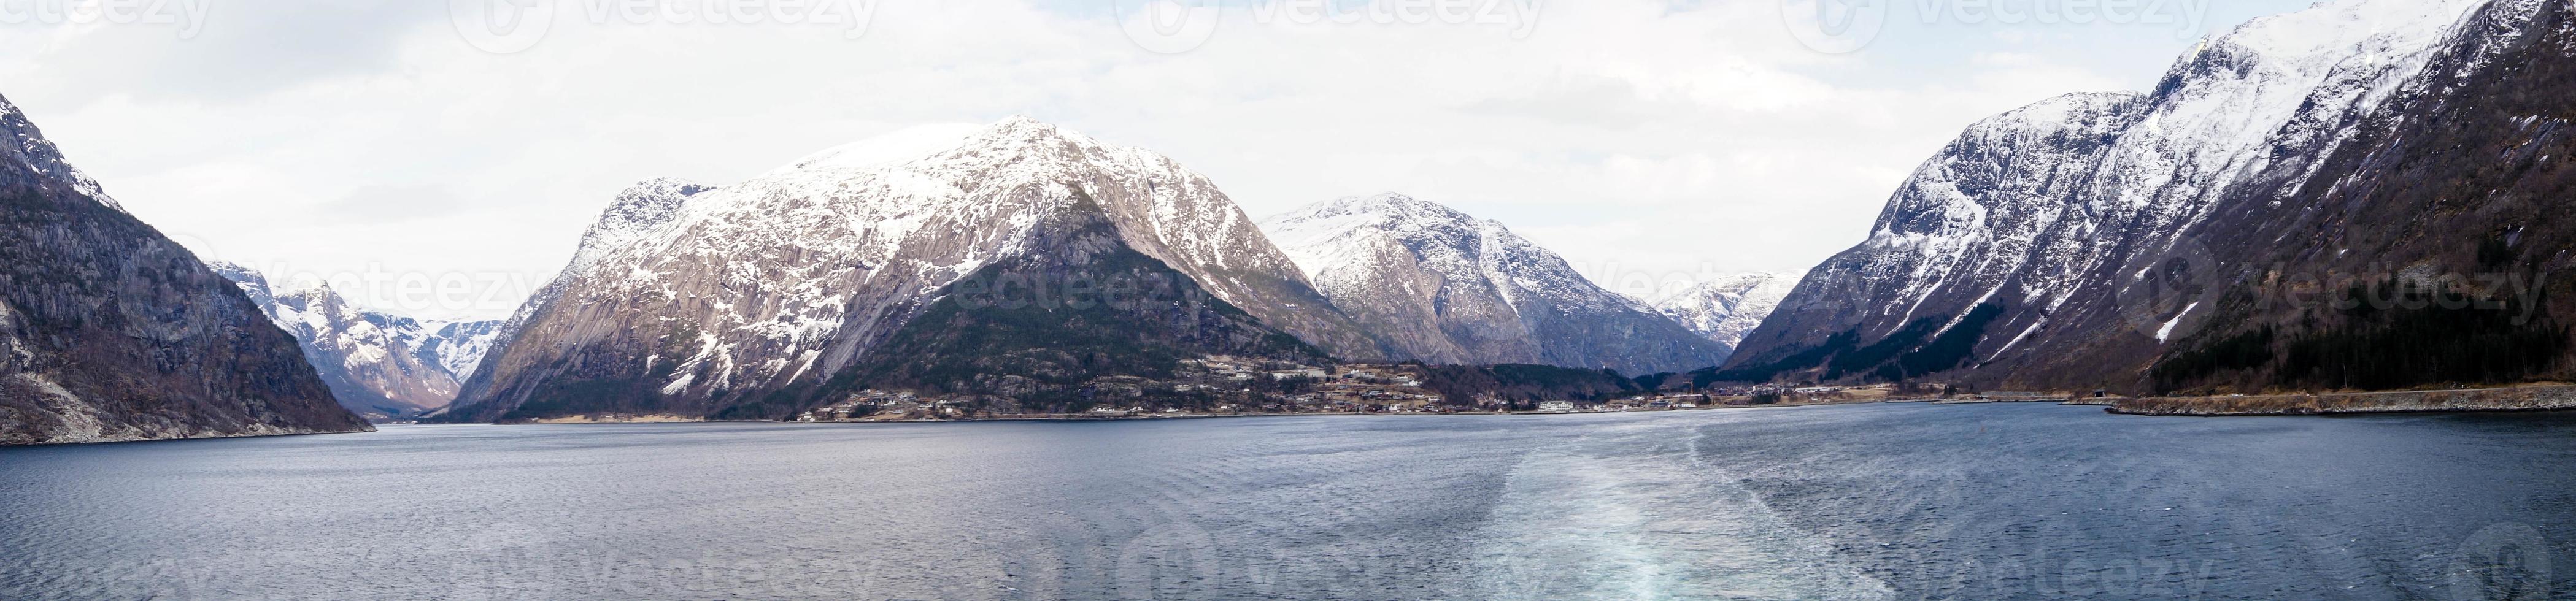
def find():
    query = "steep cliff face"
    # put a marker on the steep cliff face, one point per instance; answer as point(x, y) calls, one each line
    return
point(382, 366)
point(2084, 241)
point(709, 298)
point(109, 331)
point(1989, 211)
point(1442, 287)
point(2432, 248)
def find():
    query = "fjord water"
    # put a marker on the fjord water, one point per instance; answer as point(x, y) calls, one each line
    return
point(1892, 501)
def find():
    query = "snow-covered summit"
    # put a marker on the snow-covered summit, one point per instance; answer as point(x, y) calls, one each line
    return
point(1340, 239)
point(1446, 287)
point(796, 273)
point(2027, 190)
point(895, 147)
point(2044, 209)
point(1726, 309)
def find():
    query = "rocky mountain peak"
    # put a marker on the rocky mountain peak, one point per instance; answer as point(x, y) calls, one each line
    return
point(1444, 287)
point(1388, 209)
point(111, 331)
point(793, 276)
point(379, 365)
point(637, 210)
point(2014, 255)
point(24, 150)
point(1726, 309)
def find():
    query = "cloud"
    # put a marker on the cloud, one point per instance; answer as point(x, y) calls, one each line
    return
point(216, 51)
point(335, 136)
point(389, 204)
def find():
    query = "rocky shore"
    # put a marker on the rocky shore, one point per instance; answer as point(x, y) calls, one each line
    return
point(2531, 398)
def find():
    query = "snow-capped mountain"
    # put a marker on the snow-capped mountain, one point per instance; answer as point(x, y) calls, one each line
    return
point(110, 331)
point(456, 347)
point(689, 299)
point(2080, 241)
point(1726, 309)
point(380, 365)
point(1443, 287)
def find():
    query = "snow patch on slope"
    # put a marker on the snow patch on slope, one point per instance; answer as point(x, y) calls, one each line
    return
point(1726, 309)
point(796, 272)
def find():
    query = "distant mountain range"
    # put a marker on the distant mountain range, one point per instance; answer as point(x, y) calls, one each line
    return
point(1436, 285)
point(2354, 196)
point(111, 332)
point(751, 299)
point(867, 266)
point(382, 366)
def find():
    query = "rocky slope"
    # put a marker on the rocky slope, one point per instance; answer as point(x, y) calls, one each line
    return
point(1726, 309)
point(454, 346)
point(1442, 287)
point(2202, 235)
point(109, 331)
point(706, 299)
point(1003, 348)
point(382, 366)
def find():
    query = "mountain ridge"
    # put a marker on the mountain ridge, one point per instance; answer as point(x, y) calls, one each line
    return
point(383, 366)
point(1442, 286)
point(2085, 240)
point(793, 276)
point(110, 331)
point(1727, 308)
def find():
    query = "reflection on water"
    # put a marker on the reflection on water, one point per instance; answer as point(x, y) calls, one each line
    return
point(1880, 502)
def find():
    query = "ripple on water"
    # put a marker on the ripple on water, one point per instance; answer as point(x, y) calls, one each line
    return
point(1984, 502)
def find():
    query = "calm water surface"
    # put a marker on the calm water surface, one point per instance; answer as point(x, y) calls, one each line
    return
point(1871, 502)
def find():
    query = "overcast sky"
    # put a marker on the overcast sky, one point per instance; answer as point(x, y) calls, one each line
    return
point(409, 144)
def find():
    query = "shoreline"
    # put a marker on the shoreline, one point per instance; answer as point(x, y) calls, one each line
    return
point(2485, 400)
point(666, 419)
point(371, 428)
point(2480, 400)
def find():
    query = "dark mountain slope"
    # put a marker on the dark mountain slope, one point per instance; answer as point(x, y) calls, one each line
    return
point(110, 331)
point(2212, 226)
